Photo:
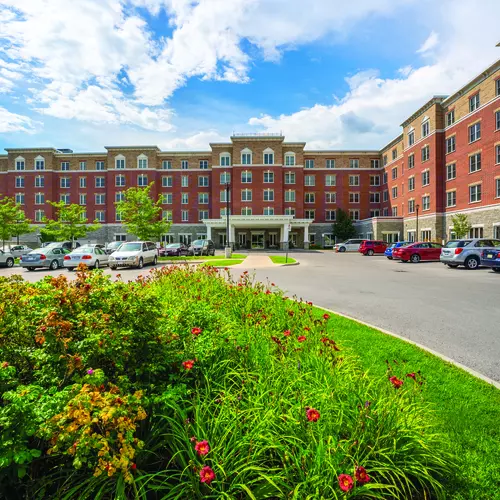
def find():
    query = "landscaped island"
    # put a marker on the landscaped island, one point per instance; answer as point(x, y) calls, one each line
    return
point(189, 384)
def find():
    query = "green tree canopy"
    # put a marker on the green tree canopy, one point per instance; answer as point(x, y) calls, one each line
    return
point(13, 221)
point(69, 223)
point(461, 225)
point(343, 228)
point(141, 215)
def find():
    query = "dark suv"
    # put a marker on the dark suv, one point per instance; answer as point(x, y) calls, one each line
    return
point(202, 247)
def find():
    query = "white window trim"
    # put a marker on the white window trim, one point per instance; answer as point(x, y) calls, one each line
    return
point(120, 157)
point(224, 155)
point(246, 151)
point(142, 157)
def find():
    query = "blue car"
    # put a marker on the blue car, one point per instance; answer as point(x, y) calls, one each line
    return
point(392, 246)
point(491, 258)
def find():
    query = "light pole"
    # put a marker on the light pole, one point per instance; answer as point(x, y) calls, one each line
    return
point(416, 232)
point(228, 246)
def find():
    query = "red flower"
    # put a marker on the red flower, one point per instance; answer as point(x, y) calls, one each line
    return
point(207, 475)
point(196, 330)
point(5, 364)
point(361, 476)
point(411, 375)
point(301, 338)
point(345, 482)
point(133, 466)
point(287, 333)
point(309, 303)
point(326, 316)
point(268, 292)
point(396, 382)
point(272, 284)
point(188, 365)
point(202, 447)
point(312, 415)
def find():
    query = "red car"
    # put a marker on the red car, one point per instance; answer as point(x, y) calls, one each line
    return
point(371, 247)
point(415, 252)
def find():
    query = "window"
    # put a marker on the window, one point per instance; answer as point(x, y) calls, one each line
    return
point(39, 198)
point(450, 144)
point(65, 166)
point(395, 192)
point(20, 198)
point(118, 216)
point(354, 214)
point(411, 161)
point(411, 138)
point(202, 181)
point(64, 198)
point(142, 180)
point(386, 212)
point(353, 163)
point(309, 198)
point(268, 177)
point(310, 163)
point(451, 171)
point(385, 195)
point(119, 180)
point(290, 196)
point(411, 183)
point(425, 128)
point(497, 191)
point(425, 235)
point(142, 161)
point(354, 180)
point(246, 177)
point(246, 211)
point(451, 198)
point(246, 157)
point(39, 163)
point(310, 214)
point(375, 213)
point(385, 177)
point(450, 118)
point(225, 196)
point(225, 178)
point(374, 180)
point(268, 211)
point(166, 165)
point(184, 198)
point(120, 196)
point(394, 173)
point(475, 193)
point(65, 182)
point(425, 153)
point(203, 198)
point(330, 215)
point(375, 163)
point(167, 215)
point(309, 180)
point(166, 198)
point(394, 154)
point(497, 153)
point(82, 182)
point(100, 182)
point(225, 160)
point(475, 132)
point(497, 120)
point(474, 162)
point(39, 181)
point(39, 215)
point(474, 102)
point(99, 165)
point(353, 197)
point(476, 232)
point(99, 215)
point(426, 202)
point(426, 178)
point(374, 197)
point(497, 86)
point(289, 159)
point(289, 178)
point(290, 211)
point(268, 194)
point(20, 163)
point(246, 195)
point(184, 181)
point(82, 199)
point(120, 161)
point(100, 199)
point(166, 181)
point(83, 165)
point(385, 160)
point(411, 206)
point(330, 197)
point(184, 164)
point(202, 215)
point(330, 180)
point(268, 157)
point(203, 164)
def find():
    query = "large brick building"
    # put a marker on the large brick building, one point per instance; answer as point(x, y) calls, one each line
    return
point(446, 161)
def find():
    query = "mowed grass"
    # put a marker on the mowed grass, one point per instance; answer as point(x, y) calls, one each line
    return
point(223, 262)
point(238, 256)
point(467, 410)
point(280, 259)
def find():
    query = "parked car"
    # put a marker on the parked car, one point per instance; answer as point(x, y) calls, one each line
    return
point(18, 250)
point(491, 258)
point(415, 252)
point(392, 246)
point(134, 254)
point(466, 252)
point(174, 250)
point(348, 246)
point(113, 246)
point(202, 247)
point(51, 257)
point(92, 256)
point(371, 247)
point(6, 259)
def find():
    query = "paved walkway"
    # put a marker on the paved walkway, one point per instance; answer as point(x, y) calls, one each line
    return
point(255, 261)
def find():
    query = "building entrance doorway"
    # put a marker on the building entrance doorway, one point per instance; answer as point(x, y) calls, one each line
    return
point(292, 240)
point(222, 240)
point(242, 240)
point(273, 240)
point(258, 241)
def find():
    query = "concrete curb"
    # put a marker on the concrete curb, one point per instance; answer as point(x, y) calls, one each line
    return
point(472, 372)
point(285, 265)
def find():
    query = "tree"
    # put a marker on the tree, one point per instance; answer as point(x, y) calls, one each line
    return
point(141, 215)
point(461, 225)
point(343, 228)
point(13, 221)
point(70, 222)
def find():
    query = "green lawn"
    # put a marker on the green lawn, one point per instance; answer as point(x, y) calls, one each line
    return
point(280, 259)
point(223, 262)
point(238, 256)
point(467, 410)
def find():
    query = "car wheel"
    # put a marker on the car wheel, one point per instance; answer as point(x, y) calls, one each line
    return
point(415, 258)
point(113, 268)
point(390, 258)
point(96, 265)
point(452, 266)
point(30, 268)
point(9, 262)
point(70, 269)
point(405, 261)
point(342, 249)
point(370, 252)
point(141, 263)
point(155, 261)
point(213, 252)
point(471, 263)
point(54, 265)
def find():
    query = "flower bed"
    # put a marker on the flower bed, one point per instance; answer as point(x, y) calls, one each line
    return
point(187, 384)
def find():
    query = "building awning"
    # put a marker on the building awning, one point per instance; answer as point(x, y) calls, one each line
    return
point(257, 221)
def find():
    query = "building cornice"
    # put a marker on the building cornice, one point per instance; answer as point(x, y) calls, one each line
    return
point(437, 99)
point(31, 150)
point(128, 148)
point(395, 141)
point(338, 152)
point(166, 154)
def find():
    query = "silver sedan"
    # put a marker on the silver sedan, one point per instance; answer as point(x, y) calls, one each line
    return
point(91, 256)
point(6, 259)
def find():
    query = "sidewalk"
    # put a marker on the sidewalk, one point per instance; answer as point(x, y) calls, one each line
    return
point(254, 261)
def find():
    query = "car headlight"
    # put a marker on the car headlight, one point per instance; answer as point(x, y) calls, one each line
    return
point(111, 257)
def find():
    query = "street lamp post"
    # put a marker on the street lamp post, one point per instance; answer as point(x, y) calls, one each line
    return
point(228, 246)
point(416, 232)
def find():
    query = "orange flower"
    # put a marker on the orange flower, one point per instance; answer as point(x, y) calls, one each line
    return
point(287, 333)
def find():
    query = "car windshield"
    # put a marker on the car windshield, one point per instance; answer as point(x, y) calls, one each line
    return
point(457, 243)
point(84, 249)
point(173, 245)
point(199, 243)
point(131, 247)
point(392, 245)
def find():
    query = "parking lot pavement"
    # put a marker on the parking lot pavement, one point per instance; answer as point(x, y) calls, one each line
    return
point(455, 312)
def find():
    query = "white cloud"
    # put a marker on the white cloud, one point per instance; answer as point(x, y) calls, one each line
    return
point(430, 43)
point(12, 122)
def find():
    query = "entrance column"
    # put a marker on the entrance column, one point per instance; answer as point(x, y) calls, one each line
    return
point(306, 237)
point(232, 236)
point(209, 232)
point(284, 237)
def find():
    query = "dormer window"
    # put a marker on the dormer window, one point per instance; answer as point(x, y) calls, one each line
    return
point(120, 161)
point(39, 163)
point(142, 161)
point(225, 160)
point(20, 163)
point(289, 159)
point(246, 157)
point(268, 156)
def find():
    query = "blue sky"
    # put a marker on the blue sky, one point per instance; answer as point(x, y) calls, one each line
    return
point(181, 73)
